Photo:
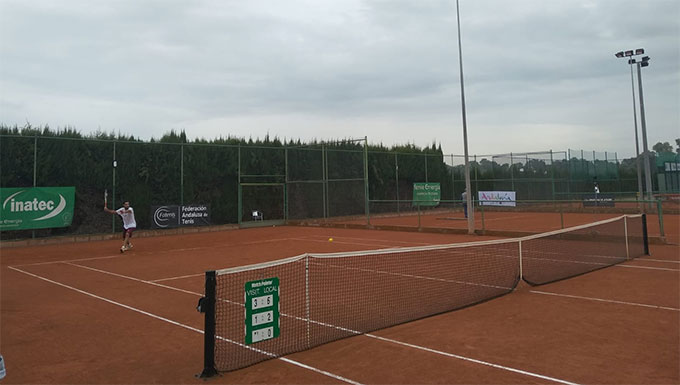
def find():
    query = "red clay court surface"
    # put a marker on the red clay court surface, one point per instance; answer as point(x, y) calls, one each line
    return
point(84, 313)
point(514, 221)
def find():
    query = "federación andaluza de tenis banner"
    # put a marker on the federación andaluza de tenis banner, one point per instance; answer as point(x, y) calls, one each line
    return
point(36, 207)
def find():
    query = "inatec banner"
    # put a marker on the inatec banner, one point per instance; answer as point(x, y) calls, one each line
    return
point(36, 207)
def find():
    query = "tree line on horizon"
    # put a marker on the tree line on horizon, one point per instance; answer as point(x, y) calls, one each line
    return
point(321, 178)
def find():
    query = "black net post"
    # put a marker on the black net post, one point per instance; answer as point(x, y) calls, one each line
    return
point(207, 305)
point(645, 238)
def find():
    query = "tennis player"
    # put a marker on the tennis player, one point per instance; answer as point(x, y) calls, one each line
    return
point(129, 224)
point(463, 197)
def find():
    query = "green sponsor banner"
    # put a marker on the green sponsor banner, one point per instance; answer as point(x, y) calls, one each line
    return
point(426, 194)
point(36, 207)
point(262, 310)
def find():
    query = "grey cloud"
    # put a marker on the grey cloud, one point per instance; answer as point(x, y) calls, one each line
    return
point(526, 62)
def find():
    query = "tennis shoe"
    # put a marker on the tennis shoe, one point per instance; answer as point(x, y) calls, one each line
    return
point(122, 249)
point(129, 246)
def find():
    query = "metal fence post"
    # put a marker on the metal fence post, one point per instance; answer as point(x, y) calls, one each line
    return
point(113, 191)
point(366, 197)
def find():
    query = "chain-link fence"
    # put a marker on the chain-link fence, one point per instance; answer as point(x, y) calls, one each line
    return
point(283, 181)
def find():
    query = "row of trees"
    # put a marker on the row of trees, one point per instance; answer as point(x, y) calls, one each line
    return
point(292, 179)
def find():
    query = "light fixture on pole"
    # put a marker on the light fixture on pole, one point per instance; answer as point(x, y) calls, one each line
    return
point(644, 62)
point(639, 51)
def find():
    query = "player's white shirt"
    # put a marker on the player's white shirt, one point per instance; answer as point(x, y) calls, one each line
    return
point(128, 217)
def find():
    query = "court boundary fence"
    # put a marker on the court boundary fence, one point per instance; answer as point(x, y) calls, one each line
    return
point(319, 180)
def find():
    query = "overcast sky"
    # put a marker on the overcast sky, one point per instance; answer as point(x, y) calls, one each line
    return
point(539, 74)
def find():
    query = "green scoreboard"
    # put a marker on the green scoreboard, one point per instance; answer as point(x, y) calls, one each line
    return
point(262, 310)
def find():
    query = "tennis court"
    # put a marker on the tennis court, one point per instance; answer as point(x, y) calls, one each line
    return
point(84, 313)
point(502, 223)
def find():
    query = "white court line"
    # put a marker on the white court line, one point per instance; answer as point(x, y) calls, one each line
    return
point(604, 300)
point(497, 366)
point(505, 218)
point(647, 267)
point(507, 368)
point(172, 251)
point(430, 350)
point(180, 277)
point(603, 264)
point(288, 360)
point(133, 279)
point(267, 241)
point(70, 260)
point(344, 243)
point(656, 260)
point(374, 240)
point(109, 257)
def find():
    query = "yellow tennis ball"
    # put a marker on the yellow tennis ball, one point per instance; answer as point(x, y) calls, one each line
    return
point(330, 239)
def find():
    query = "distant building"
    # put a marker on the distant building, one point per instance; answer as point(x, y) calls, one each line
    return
point(668, 172)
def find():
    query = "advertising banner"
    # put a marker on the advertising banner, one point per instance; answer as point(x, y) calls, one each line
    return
point(36, 207)
point(426, 194)
point(164, 217)
point(195, 215)
point(497, 198)
point(170, 216)
point(598, 200)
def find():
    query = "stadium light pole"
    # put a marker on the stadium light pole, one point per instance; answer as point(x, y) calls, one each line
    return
point(648, 174)
point(468, 189)
point(639, 51)
point(644, 62)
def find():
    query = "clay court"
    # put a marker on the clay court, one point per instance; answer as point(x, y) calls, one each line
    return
point(81, 312)
point(505, 223)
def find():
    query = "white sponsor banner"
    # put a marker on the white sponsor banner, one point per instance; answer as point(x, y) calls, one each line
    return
point(497, 198)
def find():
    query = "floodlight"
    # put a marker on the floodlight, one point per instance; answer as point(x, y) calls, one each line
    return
point(629, 53)
point(619, 54)
point(639, 51)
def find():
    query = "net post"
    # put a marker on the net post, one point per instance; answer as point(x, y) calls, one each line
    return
point(207, 306)
point(307, 299)
point(645, 237)
point(521, 271)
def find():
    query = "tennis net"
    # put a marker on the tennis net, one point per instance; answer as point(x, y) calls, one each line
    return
point(326, 297)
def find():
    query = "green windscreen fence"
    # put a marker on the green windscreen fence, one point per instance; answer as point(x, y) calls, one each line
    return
point(346, 195)
point(305, 182)
point(263, 203)
point(219, 186)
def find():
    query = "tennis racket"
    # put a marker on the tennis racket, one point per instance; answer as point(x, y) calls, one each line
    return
point(106, 196)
